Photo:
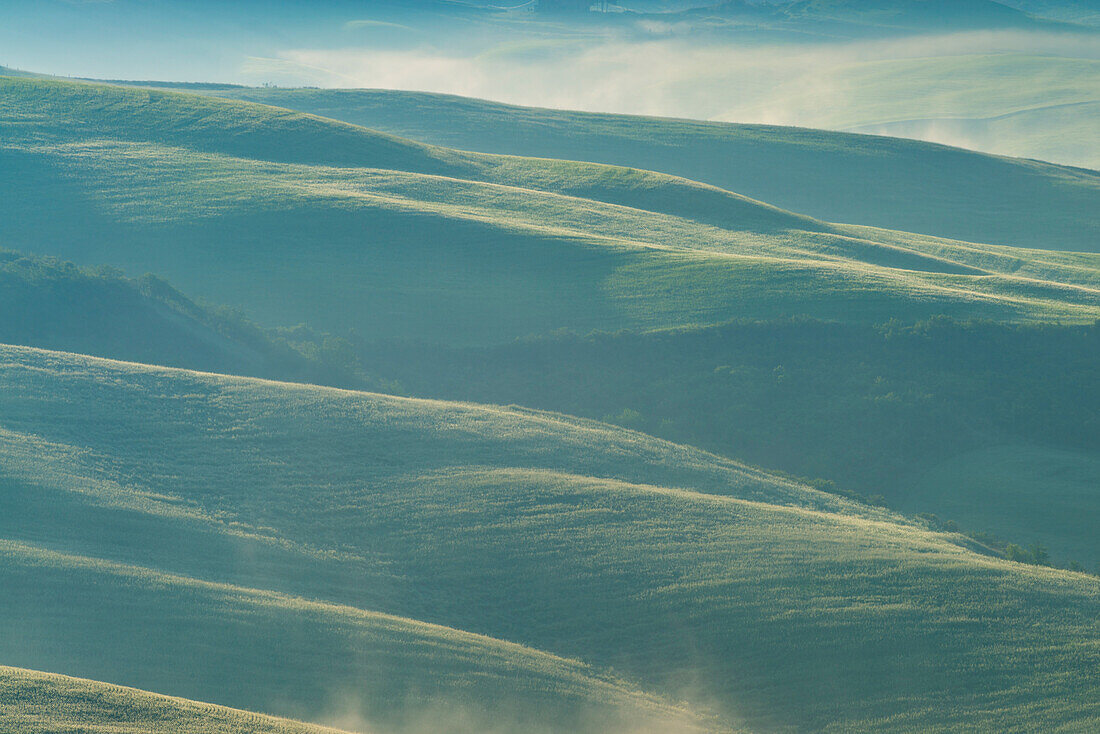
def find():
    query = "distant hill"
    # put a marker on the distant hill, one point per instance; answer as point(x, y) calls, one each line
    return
point(295, 218)
point(883, 182)
point(199, 513)
point(1058, 128)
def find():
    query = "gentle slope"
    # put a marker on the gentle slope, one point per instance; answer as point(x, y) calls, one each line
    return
point(692, 576)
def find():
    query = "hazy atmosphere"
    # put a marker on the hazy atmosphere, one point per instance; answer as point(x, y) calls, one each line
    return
point(974, 74)
point(555, 367)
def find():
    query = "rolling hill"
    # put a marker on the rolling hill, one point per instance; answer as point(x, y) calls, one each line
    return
point(884, 182)
point(270, 651)
point(254, 207)
point(171, 506)
point(986, 425)
point(674, 427)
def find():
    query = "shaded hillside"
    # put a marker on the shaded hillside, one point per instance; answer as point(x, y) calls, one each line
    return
point(53, 304)
point(913, 413)
point(776, 606)
point(482, 249)
point(885, 182)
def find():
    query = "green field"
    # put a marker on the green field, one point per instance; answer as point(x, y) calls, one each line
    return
point(764, 603)
point(872, 409)
point(252, 207)
point(264, 650)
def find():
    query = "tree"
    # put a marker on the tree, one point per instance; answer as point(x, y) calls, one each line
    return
point(1040, 556)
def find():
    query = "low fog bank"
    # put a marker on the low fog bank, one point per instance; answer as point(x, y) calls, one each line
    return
point(417, 714)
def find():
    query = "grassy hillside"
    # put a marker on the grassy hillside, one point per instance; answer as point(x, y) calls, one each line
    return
point(7, 71)
point(54, 304)
point(873, 409)
point(884, 182)
point(412, 241)
point(44, 703)
point(778, 607)
point(269, 651)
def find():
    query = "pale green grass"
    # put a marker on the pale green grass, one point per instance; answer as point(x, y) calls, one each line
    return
point(44, 703)
point(780, 608)
point(417, 242)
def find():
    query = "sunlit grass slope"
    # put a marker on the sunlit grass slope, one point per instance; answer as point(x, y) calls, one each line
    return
point(885, 182)
point(41, 703)
point(775, 606)
point(411, 241)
